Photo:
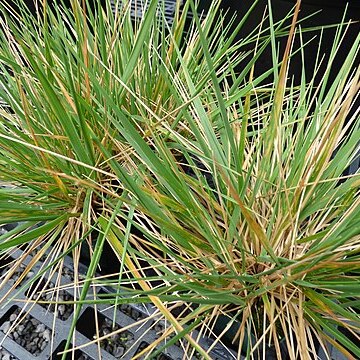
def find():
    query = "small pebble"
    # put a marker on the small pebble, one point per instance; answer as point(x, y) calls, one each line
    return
point(115, 344)
point(6, 326)
point(119, 351)
point(40, 328)
point(61, 309)
point(20, 329)
point(46, 335)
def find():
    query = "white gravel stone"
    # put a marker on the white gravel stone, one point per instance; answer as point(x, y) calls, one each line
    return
point(61, 309)
point(20, 329)
point(40, 328)
point(119, 351)
point(46, 335)
point(6, 326)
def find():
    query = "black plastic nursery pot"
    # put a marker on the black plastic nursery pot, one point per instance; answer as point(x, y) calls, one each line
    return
point(313, 13)
point(231, 334)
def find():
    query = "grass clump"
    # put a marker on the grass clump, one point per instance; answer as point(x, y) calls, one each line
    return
point(142, 135)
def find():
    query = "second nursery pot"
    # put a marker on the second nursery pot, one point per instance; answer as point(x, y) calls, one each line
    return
point(230, 338)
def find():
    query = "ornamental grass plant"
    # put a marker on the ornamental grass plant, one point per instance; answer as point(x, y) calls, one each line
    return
point(230, 187)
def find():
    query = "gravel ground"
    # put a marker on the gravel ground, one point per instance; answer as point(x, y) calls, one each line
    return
point(161, 356)
point(62, 311)
point(78, 354)
point(116, 344)
point(7, 262)
point(5, 355)
point(16, 274)
point(132, 312)
point(68, 273)
point(30, 333)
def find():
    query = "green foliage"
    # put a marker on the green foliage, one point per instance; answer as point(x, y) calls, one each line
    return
point(142, 135)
